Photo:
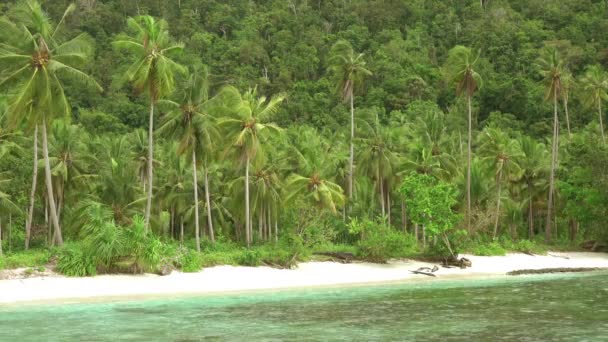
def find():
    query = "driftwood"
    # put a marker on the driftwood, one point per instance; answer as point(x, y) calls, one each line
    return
point(462, 262)
point(343, 257)
point(595, 245)
point(557, 270)
point(425, 273)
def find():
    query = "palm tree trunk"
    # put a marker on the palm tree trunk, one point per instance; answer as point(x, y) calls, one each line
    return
point(49, 242)
point(208, 199)
point(403, 216)
point(1, 237)
point(10, 233)
point(599, 107)
point(196, 223)
point(247, 217)
point(276, 230)
point(49, 183)
point(261, 224)
point(567, 118)
point(388, 205)
point(469, 165)
point(30, 212)
point(150, 165)
point(381, 186)
point(351, 159)
point(552, 172)
point(530, 215)
point(498, 204)
point(416, 231)
point(268, 225)
point(181, 230)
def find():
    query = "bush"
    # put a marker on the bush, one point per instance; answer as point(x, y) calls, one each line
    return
point(380, 242)
point(525, 246)
point(74, 261)
point(29, 258)
point(489, 249)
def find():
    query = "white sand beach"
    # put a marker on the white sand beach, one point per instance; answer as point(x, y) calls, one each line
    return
point(225, 279)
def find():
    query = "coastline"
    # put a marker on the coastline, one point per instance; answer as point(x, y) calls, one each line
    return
point(240, 279)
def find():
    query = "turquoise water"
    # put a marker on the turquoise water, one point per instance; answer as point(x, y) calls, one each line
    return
point(568, 308)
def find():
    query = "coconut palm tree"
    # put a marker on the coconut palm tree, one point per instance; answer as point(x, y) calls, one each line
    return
point(245, 127)
point(460, 71)
point(191, 123)
point(153, 72)
point(551, 68)
point(349, 69)
point(501, 152)
point(35, 61)
point(534, 164)
point(567, 85)
point(595, 87)
point(6, 205)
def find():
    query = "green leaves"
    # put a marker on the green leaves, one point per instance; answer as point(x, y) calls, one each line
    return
point(459, 70)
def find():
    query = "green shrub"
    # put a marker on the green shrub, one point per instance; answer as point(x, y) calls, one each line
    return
point(29, 258)
point(489, 249)
point(74, 261)
point(380, 242)
point(525, 246)
point(249, 257)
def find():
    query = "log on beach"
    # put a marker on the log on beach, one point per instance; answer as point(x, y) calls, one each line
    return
point(425, 273)
point(557, 270)
point(341, 256)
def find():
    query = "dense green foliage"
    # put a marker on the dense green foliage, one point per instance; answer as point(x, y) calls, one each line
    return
point(291, 122)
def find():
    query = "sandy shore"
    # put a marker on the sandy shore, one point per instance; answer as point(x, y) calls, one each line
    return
point(222, 279)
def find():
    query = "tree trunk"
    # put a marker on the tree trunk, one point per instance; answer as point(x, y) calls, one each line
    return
point(181, 230)
point(276, 230)
point(247, 217)
point(403, 216)
point(1, 237)
point(599, 107)
point(10, 233)
point(30, 212)
point(530, 216)
point(498, 203)
point(469, 165)
point(261, 224)
point(150, 165)
point(351, 159)
point(49, 242)
point(196, 223)
point(49, 183)
point(269, 225)
point(381, 188)
point(567, 118)
point(208, 199)
point(388, 205)
point(416, 231)
point(552, 172)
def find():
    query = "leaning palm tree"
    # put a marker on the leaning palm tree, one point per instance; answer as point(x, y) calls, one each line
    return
point(191, 124)
point(595, 87)
point(551, 68)
point(349, 69)
point(35, 61)
point(567, 85)
point(501, 152)
point(245, 127)
point(153, 72)
point(460, 71)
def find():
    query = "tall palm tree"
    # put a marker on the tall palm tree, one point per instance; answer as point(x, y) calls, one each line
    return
point(460, 70)
point(534, 163)
point(595, 86)
point(192, 125)
point(350, 70)
point(35, 61)
point(245, 128)
point(567, 85)
point(6, 205)
point(502, 153)
point(153, 72)
point(377, 158)
point(551, 68)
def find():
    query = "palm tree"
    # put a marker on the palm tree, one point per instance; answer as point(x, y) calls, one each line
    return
point(153, 72)
point(551, 68)
point(534, 164)
point(595, 85)
point(35, 61)
point(377, 158)
point(245, 128)
point(194, 128)
point(315, 166)
point(349, 69)
point(567, 84)
point(502, 153)
point(460, 70)
point(6, 205)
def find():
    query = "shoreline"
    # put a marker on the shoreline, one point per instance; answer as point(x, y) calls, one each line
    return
point(234, 280)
